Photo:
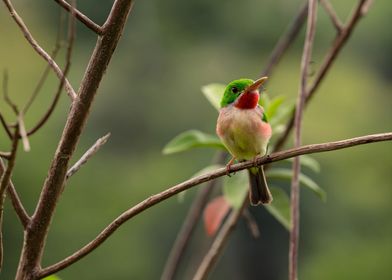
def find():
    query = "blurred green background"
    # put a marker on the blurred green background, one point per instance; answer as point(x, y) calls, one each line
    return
point(151, 92)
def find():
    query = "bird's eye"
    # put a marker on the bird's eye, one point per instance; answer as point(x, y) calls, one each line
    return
point(234, 90)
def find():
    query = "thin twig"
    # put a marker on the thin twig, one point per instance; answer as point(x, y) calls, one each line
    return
point(169, 192)
point(23, 133)
point(5, 126)
point(50, 110)
point(15, 200)
point(81, 17)
point(189, 224)
point(251, 223)
point(45, 74)
point(19, 21)
point(6, 96)
point(5, 155)
point(286, 40)
point(330, 57)
point(219, 242)
point(87, 155)
point(332, 15)
point(4, 183)
point(294, 203)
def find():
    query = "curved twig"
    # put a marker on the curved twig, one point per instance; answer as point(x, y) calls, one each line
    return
point(157, 198)
point(19, 21)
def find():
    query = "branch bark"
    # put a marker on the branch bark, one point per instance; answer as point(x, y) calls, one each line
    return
point(295, 193)
point(36, 233)
point(157, 198)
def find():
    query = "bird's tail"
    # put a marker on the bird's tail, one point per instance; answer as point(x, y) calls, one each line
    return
point(259, 192)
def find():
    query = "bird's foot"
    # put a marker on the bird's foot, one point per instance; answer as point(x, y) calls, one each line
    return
point(228, 165)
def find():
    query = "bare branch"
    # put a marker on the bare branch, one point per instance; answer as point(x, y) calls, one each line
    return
point(39, 49)
point(35, 236)
point(4, 183)
point(5, 126)
point(48, 113)
point(157, 198)
point(7, 99)
point(218, 244)
point(87, 155)
point(252, 224)
point(286, 40)
point(5, 155)
point(23, 133)
point(328, 61)
point(332, 15)
point(189, 225)
point(16, 203)
point(294, 205)
point(81, 17)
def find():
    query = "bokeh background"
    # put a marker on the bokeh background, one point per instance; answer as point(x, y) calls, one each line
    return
point(151, 92)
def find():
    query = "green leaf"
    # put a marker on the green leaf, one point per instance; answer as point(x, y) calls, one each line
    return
point(52, 277)
point(235, 188)
point(282, 113)
point(280, 207)
point(214, 93)
point(286, 174)
point(191, 139)
point(207, 169)
point(273, 106)
point(309, 162)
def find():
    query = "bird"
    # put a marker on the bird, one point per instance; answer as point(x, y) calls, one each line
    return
point(243, 128)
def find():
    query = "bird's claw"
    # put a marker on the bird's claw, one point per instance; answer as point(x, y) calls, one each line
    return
point(228, 165)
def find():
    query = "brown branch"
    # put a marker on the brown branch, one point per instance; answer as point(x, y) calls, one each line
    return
point(294, 204)
point(219, 242)
point(251, 223)
point(4, 183)
point(5, 155)
point(81, 17)
point(286, 40)
point(330, 57)
point(87, 155)
point(189, 224)
point(23, 133)
point(157, 198)
point(48, 113)
point(5, 126)
point(332, 15)
point(38, 48)
point(6, 96)
point(36, 234)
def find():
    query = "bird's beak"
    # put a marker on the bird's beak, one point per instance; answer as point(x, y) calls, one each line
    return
point(256, 84)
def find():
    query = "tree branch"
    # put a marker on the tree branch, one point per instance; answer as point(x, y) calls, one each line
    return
point(157, 198)
point(4, 183)
point(87, 155)
point(81, 17)
point(36, 234)
point(332, 15)
point(38, 48)
point(295, 193)
point(330, 57)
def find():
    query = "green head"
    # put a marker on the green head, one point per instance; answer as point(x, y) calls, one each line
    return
point(235, 88)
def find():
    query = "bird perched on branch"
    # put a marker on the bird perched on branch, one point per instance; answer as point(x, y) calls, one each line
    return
point(243, 128)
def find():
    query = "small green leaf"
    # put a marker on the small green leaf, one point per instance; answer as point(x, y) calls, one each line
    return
point(214, 93)
point(52, 277)
point(280, 207)
point(191, 139)
point(273, 106)
point(207, 169)
point(309, 162)
point(235, 188)
point(286, 174)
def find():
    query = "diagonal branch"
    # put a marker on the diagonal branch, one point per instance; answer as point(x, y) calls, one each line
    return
point(87, 155)
point(294, 203)
point(39, 49)
point(332, 15)
point(4, 183)
point(330, 57)
point(157, 198)
point(81, 17)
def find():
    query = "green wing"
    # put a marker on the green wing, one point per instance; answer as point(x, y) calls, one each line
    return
point(265, 117)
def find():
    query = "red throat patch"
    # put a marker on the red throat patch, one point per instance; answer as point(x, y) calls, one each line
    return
point(247, 100)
